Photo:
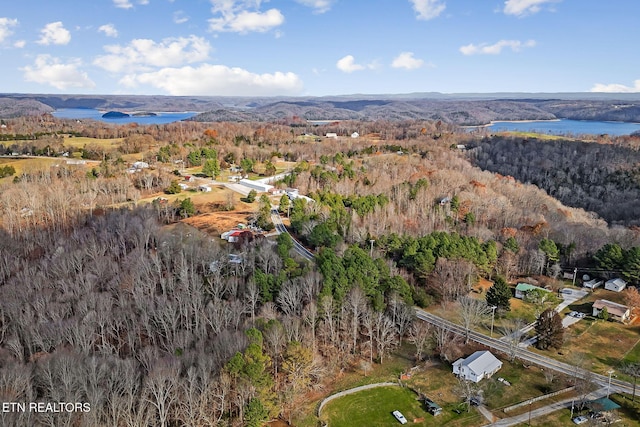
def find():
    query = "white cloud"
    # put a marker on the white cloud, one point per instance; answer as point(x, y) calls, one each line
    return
point(109, 30)
point(123, 4)
point(348, 64)
point(54, 33)
point(407, 61)
point(5, 28)
point(20, 44)
point(243, 16)
point(319, 6)
point(428, 9)
point(208, 79)
point(49, 70)
point(496, 48)
point(616, 88)
point(524, 7)
point(144, 54)
point(179, 17)
point(126, 4)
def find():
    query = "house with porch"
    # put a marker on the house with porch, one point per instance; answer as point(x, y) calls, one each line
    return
point(616, 311)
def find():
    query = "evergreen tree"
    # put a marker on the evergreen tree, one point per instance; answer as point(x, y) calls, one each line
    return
point(549, 330)
point(285, 203)
point(499, 294)
point(174, 188)
point(511, 244)
point(211, 168)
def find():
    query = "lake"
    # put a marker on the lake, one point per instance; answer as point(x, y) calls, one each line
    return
point(88, 113)
point(567, 127)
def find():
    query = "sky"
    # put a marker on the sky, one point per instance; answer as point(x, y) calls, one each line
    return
point(318, 47)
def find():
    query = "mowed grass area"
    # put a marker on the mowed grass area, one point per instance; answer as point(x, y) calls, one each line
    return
point(374, 408)
point(586, 339)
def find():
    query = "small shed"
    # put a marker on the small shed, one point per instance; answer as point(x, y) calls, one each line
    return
point(431, 407)
point(204, 188)
point(616, 285)
point(592, 284)
point(523, 288)
point(616, 311)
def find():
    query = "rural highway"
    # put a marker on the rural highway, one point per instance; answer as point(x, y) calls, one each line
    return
point(526, 355)
point(297, 246)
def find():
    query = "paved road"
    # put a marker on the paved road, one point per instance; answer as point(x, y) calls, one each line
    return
point(563, 404)
point(297, 246)
point(526, 355)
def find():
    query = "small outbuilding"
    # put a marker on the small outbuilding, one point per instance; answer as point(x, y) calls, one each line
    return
point(616, 311)
point(480, 365)
point(592, 284)
point(204, 188)
point(616, 285)
point(523, 288)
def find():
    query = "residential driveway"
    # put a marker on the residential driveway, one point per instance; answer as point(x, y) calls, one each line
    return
point(569, 296)
point(569, 320)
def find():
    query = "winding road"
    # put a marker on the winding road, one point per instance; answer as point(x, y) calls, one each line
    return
point(297, 246)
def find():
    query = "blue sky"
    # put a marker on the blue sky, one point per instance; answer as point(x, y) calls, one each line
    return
point(318, 47)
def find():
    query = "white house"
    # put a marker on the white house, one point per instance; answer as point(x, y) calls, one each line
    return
point(355, 135)
point(615, 285)
point(616, 311)
point(183, 186)
point(332, 135)
point(204, 188)
point(480, 365)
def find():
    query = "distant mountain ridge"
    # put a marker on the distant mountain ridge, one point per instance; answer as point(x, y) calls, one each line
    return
point(460, 109)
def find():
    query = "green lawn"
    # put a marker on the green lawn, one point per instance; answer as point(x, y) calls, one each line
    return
point(374, 408)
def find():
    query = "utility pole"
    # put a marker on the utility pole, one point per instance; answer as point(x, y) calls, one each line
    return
point(530, 402)
point(493, 315)
point(575, 272)
point(610, 372)
point(572, 400)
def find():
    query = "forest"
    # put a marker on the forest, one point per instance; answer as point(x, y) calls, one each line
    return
point(596, 177)
point(113, 300)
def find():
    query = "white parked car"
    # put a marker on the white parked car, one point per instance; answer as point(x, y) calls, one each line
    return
point(580, 420)
point(400, 417)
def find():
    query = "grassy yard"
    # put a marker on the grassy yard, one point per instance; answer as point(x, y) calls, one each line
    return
point(374, 408)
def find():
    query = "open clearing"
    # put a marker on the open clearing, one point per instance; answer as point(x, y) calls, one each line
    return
point(374, 407)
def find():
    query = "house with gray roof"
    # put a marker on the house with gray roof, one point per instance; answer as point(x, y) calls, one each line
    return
point(480, 365)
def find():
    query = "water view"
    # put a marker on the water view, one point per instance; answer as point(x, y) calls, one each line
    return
point(568, 127)
point(156, 119)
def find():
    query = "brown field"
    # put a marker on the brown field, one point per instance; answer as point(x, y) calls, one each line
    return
point(210, 218)
point(82, 141)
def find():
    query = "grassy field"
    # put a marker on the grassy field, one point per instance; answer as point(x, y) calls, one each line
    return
point(82, 141)
point(30, 164)
point(374, 408)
